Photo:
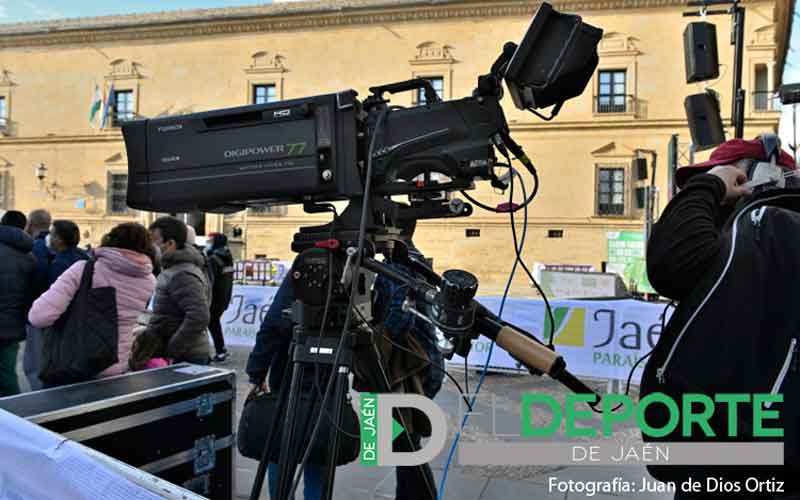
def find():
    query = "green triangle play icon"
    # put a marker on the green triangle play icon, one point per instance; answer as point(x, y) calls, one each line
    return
point(397, 429)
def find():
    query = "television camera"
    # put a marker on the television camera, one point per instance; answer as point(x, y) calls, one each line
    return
point(335, 147)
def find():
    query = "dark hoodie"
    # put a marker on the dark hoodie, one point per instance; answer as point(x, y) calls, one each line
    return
point(180, 307)
point(17, 266)
point(220, 264)
point(686, 238)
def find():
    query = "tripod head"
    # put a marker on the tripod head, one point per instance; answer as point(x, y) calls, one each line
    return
point(453, 309)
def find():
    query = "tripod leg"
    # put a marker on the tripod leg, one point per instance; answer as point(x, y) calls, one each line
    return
point(339, 395)
point(287, 461)
point(258, 484)
point(377, 379)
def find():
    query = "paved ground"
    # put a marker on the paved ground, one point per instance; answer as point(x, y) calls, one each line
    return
point(354, 482)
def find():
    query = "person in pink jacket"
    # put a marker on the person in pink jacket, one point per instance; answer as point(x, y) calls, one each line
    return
point(123, 261)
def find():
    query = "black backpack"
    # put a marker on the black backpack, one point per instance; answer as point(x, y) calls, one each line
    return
point(738, 332)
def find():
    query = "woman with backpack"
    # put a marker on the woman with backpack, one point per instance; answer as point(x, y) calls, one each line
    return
point(122, 262)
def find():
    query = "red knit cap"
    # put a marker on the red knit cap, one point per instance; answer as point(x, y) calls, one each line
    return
point(727, 154)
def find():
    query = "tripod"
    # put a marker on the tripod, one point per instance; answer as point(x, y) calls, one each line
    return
point(316, 346)
point(331, 342)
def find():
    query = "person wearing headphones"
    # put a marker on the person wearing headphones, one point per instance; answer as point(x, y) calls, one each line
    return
point(687, 235)
point(726, 248)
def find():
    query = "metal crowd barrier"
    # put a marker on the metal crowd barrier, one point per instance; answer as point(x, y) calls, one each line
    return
point(269, 272)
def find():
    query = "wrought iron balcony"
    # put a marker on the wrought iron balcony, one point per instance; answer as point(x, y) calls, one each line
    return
point(617, 104)
point(765, 100)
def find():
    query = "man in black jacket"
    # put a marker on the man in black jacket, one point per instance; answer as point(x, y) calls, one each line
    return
point(180, 305)
point(39, 222)
point(17, 265)
point(220, 267)
point(689, 252)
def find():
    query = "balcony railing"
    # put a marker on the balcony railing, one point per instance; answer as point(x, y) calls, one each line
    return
point(765, 100)
point(615, 104)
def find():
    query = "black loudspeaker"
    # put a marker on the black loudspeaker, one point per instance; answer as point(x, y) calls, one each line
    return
point(640, 195)
point(790, 93)
point(705, 124)
point(639, 166)
point(700, 52)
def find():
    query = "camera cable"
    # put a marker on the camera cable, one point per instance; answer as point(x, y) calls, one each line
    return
point(427, 361)
point(465, 419)
point(348, 317)
point(639, 361)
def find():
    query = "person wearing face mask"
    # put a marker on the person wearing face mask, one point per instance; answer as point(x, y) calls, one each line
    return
point(56, 251)
point(123, 263)
point(726, 248)
point(180, 305)
point(156, 259)
point(62, 241)
point(220, 266)
point(39, 222)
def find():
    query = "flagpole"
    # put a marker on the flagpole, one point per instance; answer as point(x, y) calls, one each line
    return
point(107, 106)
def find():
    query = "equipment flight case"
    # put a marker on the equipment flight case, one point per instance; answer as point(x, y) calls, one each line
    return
point(175, 422)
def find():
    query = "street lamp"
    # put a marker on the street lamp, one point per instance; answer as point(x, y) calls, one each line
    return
point(41, 175)
point(41, 172)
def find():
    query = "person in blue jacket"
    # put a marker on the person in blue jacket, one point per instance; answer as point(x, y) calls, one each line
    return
point(270, 356)
point(55, 252)
point(63, 242)
point(268, 361)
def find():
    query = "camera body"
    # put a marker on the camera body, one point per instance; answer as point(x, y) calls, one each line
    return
point(310, 149)
point(317, 149)
point(233, 157)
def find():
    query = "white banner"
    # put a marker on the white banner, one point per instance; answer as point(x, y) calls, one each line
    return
point(597, 338)
point(242, 319)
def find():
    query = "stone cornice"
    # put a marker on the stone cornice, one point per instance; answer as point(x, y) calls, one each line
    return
point(105, 136)
point(286, 17)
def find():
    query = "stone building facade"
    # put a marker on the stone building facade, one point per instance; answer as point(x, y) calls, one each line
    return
point(179, 62)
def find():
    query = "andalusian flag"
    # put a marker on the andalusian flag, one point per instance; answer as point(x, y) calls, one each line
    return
point(97, 104)
point(109, 104)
